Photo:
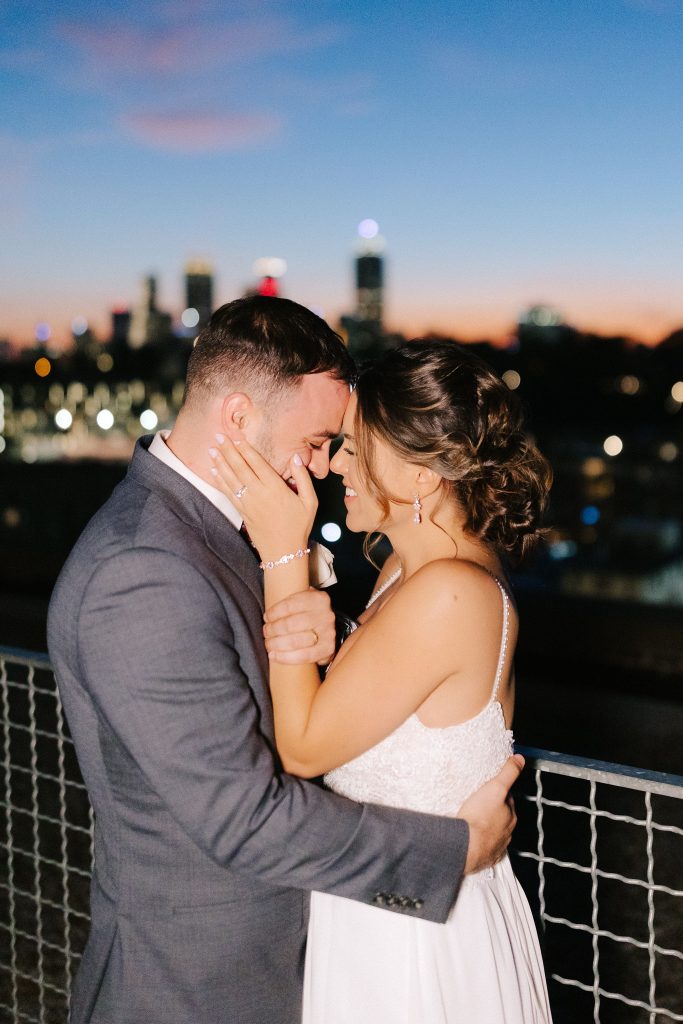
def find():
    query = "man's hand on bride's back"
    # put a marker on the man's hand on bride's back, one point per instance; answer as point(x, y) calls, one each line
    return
point(490, 814)
point(301, 629)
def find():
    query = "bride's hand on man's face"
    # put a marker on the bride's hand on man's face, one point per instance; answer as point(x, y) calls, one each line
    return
point(279, 519)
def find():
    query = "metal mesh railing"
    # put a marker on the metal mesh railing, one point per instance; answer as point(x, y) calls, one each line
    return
point(45, 846)
point(598, 849)
point(606, 842)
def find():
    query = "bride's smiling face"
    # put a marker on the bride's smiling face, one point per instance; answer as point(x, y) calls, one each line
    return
point(363, 511)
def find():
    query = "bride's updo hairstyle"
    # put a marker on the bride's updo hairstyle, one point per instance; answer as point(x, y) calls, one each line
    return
point(437, 405)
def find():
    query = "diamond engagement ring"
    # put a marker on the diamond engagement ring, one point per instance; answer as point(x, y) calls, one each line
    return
point(239, 494)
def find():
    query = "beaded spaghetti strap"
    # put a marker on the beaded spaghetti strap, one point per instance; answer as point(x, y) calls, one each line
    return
point(504, 641)
point(385, 586)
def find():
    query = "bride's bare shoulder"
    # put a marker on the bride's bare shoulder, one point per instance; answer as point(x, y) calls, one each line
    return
point(448, 581)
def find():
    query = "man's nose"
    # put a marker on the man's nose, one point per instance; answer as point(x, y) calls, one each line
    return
point(319, 463)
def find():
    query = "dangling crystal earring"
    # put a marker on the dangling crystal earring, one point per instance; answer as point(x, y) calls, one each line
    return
point(417, 509)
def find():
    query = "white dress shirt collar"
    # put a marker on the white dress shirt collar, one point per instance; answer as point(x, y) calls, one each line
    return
point(160, 448)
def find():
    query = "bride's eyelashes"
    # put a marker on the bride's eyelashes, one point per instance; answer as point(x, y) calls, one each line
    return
point(348, 450)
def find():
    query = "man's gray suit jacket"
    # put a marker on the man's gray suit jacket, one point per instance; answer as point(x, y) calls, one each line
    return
point(204, 849)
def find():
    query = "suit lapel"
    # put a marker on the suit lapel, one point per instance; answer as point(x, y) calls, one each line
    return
point(243, 578)
point(230, 546)
point(195, 509)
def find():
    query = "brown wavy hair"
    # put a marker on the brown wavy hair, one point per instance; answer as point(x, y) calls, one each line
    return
point(438, 405)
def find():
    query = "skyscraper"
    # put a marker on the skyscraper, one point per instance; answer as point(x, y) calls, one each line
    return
point(199, 289)
point(369, 274)
point(369, 280)
point(147, 323)
point(269, 270)
point(363, 328)
point(120, 326)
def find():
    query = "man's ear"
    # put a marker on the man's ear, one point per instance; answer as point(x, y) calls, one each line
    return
point(237, 410)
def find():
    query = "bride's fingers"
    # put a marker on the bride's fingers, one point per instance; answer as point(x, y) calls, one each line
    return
point(304, 484)
point(234, 457)
point(225, 477)
point(258, 465)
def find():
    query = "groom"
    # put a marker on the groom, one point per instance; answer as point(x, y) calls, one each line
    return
point(204, 849)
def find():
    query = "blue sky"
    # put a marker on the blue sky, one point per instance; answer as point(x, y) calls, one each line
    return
point(513, 152)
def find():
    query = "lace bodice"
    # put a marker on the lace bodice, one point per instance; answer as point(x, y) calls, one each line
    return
point(427, 769)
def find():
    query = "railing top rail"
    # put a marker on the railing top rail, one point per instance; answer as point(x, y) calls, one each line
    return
point(24, 657)
point(623, 776)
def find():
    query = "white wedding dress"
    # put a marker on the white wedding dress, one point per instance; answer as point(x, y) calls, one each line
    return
point(366, 965)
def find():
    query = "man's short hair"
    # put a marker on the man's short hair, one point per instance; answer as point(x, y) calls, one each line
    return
point(263, 345)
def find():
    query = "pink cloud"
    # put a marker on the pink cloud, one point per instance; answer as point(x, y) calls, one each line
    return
point(179, 49)
point(201, 132)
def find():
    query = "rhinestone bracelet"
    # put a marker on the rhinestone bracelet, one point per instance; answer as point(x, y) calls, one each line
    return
point(285, 558)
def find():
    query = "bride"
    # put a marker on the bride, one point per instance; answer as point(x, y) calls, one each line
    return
point(416, 708)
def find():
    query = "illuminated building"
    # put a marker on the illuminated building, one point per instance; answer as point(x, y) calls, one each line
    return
point(147, 323)
point(543, 324)
point(120, 326)
point(369, 274)
point(363, 328)
point(199, 290)
point(269, 269)
point(268, 286)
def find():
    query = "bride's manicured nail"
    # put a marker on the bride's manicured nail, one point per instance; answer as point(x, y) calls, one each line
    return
point(214, 471)
point(297, 460)
point(220, 438)
point(236, 442)
point(213, 453)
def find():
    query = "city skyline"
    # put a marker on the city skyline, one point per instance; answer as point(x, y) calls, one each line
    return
point(512, 155)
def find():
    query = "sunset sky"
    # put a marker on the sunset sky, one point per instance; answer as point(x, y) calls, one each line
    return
point(512, 151)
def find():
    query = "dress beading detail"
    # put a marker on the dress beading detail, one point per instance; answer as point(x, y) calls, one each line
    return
point(422, 768)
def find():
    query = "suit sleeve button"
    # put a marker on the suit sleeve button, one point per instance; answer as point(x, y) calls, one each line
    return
point(418, 904)
point(379, 898)
point(391, 900)
point(405, 901)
